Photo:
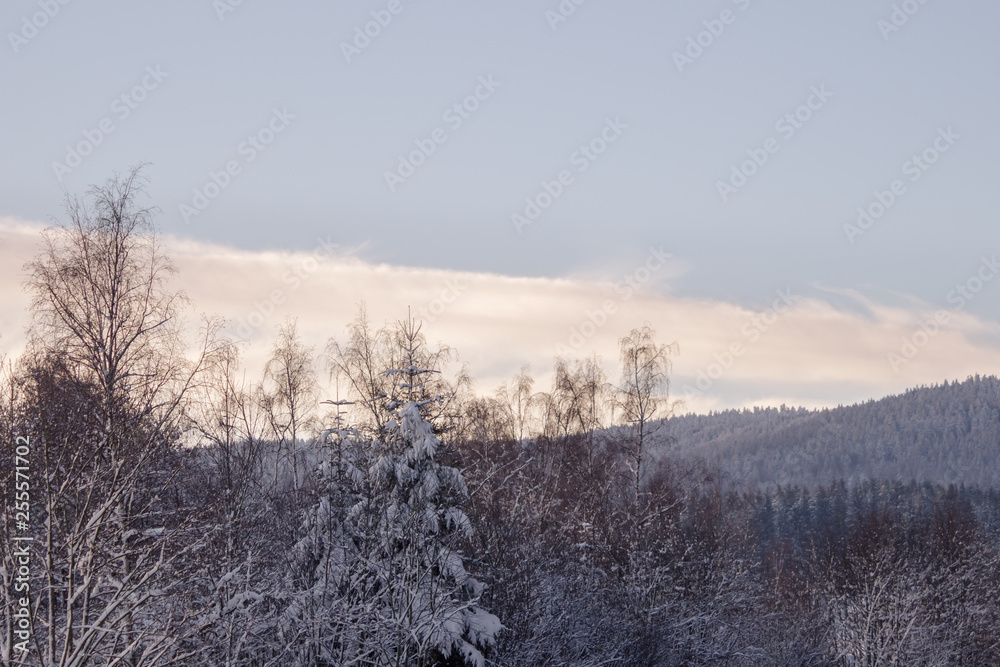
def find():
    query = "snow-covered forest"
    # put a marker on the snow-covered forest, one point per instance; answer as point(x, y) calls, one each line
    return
point(947, 433)
point(185, 512)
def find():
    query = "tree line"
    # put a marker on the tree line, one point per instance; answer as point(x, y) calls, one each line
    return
point(183, 514)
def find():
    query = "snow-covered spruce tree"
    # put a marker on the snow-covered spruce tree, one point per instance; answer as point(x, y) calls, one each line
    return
point(380, 576)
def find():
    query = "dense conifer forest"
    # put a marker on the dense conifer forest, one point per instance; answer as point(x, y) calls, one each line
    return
point(947, 433)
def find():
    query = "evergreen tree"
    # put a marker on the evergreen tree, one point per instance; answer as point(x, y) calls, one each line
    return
point(381, 576)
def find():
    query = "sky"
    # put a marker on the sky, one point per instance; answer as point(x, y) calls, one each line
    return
point(800, 195)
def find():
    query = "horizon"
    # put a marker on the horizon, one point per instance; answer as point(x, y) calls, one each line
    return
point(459, 328)
point(945, 383)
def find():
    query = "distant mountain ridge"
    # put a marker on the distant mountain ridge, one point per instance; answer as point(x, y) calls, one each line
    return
point(948, 433)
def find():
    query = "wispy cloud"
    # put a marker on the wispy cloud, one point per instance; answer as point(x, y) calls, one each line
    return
point(798, 350)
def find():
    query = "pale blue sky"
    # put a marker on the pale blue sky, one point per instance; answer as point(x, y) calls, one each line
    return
point(656, 185)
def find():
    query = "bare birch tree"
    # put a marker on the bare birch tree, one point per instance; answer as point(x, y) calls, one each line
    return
point(294, 395)
point(110, 377)
point(643, 394)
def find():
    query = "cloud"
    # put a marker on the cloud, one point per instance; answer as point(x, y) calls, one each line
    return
point(798, 350)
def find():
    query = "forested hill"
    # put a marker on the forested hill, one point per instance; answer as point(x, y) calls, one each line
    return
point(946, 433)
